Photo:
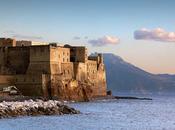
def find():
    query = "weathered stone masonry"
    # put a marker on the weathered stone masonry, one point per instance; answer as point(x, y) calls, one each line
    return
point(64, 72)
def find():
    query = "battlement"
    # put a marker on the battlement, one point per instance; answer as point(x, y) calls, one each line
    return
point(7, 42)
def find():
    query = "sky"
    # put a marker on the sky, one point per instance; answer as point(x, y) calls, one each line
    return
point(142, 32)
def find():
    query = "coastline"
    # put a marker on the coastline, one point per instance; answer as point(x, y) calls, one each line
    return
point(34, 106)
point(121, 97)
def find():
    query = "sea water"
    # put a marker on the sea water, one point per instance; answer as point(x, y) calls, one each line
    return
point(156, 114)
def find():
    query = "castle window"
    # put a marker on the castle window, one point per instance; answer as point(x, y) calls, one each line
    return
point(67, 60)
point(63, 59)
point(63, 53)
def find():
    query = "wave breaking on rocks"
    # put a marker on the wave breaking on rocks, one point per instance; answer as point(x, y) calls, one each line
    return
point(34, 108)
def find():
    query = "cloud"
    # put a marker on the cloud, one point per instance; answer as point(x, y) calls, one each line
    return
point(27, 37)
point(105, 40)
point(76, 38)
point(157, 34)
point(86, 37)
point(9, 32)
point(13, 34)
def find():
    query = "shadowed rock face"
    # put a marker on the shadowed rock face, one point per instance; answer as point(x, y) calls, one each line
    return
point(33, 108)
point(123, 77)
point(77, 92)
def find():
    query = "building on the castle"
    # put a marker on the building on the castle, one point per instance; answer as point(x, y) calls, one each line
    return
point(48, 70)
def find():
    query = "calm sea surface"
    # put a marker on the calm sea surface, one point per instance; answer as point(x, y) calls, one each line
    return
point(158, 114)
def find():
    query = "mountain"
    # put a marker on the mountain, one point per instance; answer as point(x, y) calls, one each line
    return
point(123, 77)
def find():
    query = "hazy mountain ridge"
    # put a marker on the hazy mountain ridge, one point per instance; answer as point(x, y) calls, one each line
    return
point(123, 77)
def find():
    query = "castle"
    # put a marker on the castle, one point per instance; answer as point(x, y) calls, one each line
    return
point(51, 71)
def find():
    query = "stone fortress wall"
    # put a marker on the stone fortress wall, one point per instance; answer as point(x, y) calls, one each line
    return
point(52, 71)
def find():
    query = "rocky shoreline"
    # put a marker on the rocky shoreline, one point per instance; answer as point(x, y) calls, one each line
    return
point(34, 108)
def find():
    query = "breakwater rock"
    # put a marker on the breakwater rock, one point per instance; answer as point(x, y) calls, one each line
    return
point(137, 98)
point(34, 108)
